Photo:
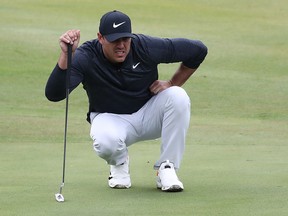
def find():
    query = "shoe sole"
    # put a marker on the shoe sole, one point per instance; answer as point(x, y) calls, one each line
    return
point(173, 188)
point(119, 186)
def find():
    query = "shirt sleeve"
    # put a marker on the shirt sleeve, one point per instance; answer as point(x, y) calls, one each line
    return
point(164, 50)
point(55, 89)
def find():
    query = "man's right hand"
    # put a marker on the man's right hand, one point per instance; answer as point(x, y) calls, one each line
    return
point(70, 37)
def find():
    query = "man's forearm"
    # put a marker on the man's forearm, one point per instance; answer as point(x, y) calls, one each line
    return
point(181, 75)
point(62, 61)
point(55, 89)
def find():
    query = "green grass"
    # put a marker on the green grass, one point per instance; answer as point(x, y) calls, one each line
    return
point(236, 156)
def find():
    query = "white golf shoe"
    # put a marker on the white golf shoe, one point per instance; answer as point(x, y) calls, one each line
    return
point(119, 176)
point(167, 179)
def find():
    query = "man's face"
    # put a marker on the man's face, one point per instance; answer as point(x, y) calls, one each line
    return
point(115, 51)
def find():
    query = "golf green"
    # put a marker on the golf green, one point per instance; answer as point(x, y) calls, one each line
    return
point(235, 161)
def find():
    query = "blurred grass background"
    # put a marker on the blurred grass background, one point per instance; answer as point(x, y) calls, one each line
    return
point(236, 155)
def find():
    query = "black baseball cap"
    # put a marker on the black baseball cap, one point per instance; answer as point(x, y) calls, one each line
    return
point(115, 25)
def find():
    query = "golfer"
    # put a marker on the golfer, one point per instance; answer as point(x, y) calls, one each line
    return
point(127, 102)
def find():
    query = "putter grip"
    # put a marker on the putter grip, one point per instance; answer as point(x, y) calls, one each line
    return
point(69, 46)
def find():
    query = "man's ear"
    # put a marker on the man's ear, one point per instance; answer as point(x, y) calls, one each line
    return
point(100, 37)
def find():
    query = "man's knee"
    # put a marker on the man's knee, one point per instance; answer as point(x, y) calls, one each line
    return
point(179, 98)
point(108, 146)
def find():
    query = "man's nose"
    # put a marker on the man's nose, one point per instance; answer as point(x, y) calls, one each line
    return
point(120, 43)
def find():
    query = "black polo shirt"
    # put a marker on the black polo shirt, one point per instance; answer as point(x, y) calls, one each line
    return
point(122, 88)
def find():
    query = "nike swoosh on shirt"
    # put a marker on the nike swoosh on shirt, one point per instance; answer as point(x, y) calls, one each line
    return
point(117, 25)
point(135, 66)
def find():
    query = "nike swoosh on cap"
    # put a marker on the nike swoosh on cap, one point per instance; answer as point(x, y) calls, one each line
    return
point(117, 25)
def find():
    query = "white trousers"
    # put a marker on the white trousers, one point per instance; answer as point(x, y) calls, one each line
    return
point(165, 115)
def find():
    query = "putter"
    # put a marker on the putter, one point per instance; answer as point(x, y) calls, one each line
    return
point(59, 196)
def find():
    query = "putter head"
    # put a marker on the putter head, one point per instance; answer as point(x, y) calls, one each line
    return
point(59, 197)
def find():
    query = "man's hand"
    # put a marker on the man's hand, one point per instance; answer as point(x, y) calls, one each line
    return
point(159, 85)
point(70, 37)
